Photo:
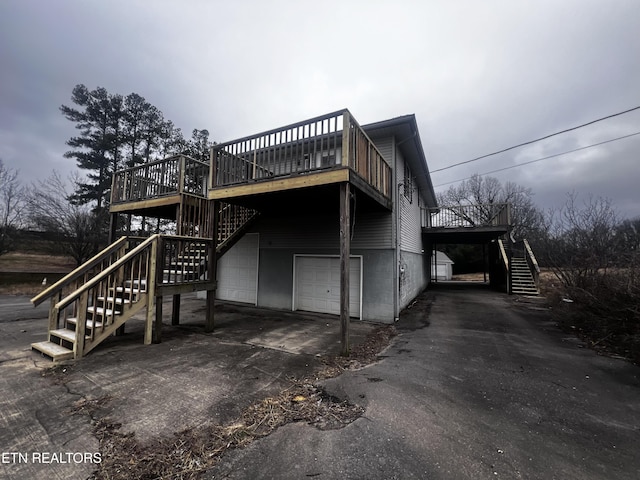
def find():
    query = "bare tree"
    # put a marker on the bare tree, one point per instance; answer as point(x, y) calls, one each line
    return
point(79, 229)
point(11, 207)
point(595, 256)
point(526, 218)
point(582, 239)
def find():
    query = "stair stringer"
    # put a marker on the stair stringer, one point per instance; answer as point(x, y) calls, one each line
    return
point(232, 239)
point(118, 321)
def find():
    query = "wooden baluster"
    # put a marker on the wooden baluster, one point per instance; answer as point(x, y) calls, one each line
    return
point(81, 323)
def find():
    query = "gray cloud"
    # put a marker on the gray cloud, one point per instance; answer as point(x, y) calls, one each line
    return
point(480, 76)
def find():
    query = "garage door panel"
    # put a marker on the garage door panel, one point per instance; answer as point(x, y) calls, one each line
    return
point(318, 285)
point(238, 271)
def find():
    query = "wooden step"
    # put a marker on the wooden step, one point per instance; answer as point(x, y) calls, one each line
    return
point(101, 311)
point(89, 325)
point(52, 350)
point(131, 293)
point(65, 334)
point(137, 285)
point(180, 272)
point(116, 300)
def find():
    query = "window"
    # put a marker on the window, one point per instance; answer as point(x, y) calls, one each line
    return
point(408, 183)
point(328, 159)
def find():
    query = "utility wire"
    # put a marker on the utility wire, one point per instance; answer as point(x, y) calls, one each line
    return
point(536, 140)
point(541, 159)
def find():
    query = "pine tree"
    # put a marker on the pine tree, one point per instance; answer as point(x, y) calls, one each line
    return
point(96, 148)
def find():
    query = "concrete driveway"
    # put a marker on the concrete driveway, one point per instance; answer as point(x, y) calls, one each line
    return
point(485, 388)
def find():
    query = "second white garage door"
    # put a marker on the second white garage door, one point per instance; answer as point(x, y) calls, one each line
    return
point(317, 284)
point(238, 271)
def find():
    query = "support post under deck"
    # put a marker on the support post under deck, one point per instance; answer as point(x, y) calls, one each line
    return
point(212, 266)
point(175, 312)
point(345, 250)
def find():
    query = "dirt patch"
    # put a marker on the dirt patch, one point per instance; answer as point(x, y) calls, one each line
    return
point(363, 354)
point(22, 273)
point(606, 322)
point(189, 453)
point(469, 277)
point(35, 263)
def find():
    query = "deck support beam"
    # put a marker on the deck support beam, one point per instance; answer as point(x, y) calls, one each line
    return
point(345, 250)
point(212, 266)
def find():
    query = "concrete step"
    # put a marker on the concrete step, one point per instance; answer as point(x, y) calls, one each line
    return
point(55, 352)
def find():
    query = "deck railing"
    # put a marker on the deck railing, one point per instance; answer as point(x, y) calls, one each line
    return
point(170, 176)
point(327, 142)
point(456, 216)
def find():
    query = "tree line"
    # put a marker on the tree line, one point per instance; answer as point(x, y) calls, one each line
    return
point(114, 132)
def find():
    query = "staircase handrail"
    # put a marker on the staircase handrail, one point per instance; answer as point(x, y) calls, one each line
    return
point(503, 254)
point(530, 254)
point(106, 272)
point(78, 272)
point(532, 263)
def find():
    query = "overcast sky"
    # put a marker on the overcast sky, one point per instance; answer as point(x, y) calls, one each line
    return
point(480, 76)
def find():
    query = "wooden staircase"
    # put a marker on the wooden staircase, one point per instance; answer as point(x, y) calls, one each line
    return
point(92, 302)
point(521, 267)
point(522, 281)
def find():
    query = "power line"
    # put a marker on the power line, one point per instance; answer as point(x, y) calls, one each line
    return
point(536, 140)
point(541, 159)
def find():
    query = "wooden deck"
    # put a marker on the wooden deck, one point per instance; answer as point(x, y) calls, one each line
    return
point(160, 183)
point(330, 149)
point(466, 223)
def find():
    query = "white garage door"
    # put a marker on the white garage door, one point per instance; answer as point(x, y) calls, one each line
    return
point(317, 284)
point(238, 271)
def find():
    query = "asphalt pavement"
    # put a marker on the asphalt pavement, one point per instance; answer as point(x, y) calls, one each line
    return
point(477, 385)
point(481, 387)
point(19, 307)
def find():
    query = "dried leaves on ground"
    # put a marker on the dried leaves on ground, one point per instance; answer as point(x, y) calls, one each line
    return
point(189, 453)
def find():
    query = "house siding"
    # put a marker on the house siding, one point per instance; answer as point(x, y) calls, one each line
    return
point(385, 147)
point(413, 271)
point(371, 230)
point(410, 222)
point(414, 276)
point(283, 237)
